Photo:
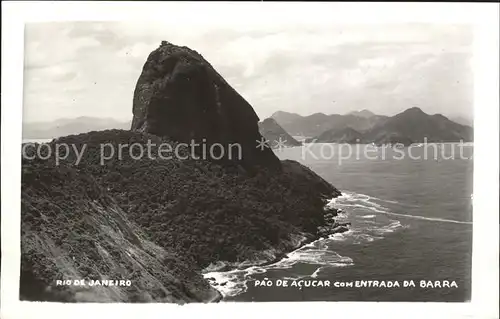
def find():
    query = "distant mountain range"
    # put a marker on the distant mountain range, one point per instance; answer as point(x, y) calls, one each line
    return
point(410, 126)
point(317, 123)
point(274, 133)
point(63, 127)
point(344, 135)
point(284, 117)
point(363, 113)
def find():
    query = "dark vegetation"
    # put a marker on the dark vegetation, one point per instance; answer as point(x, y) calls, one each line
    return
point(197, 212)
point(73, 228)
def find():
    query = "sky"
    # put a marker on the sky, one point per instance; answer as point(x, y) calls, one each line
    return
point(77, 69)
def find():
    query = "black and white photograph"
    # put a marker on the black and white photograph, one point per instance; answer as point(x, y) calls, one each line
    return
point(288, 161)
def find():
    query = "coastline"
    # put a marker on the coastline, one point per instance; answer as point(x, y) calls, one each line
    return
point(306, 239)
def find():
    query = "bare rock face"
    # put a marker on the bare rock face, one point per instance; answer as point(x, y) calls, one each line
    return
point(180, 95)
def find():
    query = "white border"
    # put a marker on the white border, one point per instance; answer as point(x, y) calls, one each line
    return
point(485, 17)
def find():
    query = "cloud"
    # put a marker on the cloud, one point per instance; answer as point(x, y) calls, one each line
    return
point(136, 50)
point(376, 63)
point(90, 68)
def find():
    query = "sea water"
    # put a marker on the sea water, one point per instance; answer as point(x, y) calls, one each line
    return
point(411, 230)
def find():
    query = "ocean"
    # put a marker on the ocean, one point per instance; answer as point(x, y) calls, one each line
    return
point(411, 215)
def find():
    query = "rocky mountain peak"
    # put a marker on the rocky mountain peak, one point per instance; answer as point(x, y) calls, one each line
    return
point(181, 96)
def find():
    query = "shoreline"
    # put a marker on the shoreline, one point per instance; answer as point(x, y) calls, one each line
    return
point(307, 238)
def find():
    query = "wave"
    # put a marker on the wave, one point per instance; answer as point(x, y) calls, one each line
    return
point(365, 228)
point(348, 195)
point(344, 201)
point(340, 236)
point(374, 209)
point(381, 211)
point(367, 216)
point(228, 283)
point(320, 254)
point(428, 218)
point(317, 272)
point(234, 282)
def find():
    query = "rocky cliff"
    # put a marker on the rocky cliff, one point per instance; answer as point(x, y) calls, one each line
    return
point(180, 95)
